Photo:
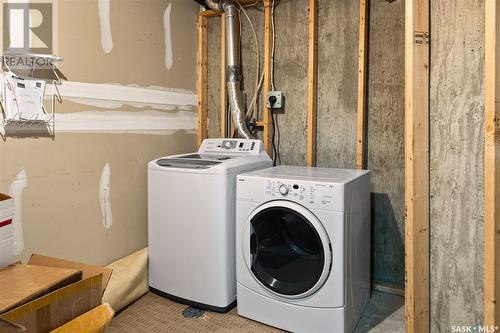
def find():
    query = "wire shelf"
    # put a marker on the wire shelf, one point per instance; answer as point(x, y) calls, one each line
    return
point(45, 119)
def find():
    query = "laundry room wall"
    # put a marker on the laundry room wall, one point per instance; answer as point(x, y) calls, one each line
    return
point(337, 102)
point(385, 128)
point(128, 97)
point(456, 163)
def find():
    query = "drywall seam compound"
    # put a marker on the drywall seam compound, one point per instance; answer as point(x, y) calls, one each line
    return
point(144, 122)
point(16, 191)
point(117, 95)
point(112, 96)
point(105, 197)
point(169, 60)
point(104, 18)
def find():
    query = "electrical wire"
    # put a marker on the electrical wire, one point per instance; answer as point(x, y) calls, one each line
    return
point(275, 155)
point(252, 4)
point(276, 133)
point(273, 48)
point(276, 128)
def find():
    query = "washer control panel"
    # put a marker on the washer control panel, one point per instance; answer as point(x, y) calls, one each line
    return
point(229, 146)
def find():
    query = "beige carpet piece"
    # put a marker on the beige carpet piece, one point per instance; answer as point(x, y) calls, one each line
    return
point(129, 280)
point(153, 313)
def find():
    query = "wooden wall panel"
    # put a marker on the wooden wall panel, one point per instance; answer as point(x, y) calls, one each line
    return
point(456, 163)
point(337, 83)
point(385, 139)
point(248, 54)
point(291, 68)
point(213, 77)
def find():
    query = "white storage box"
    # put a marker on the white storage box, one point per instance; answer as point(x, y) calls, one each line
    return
point(6, 229)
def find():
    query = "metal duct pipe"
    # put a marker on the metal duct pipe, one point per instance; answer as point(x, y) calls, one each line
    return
point(233, 60)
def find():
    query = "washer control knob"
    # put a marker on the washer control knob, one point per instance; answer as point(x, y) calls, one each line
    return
point(228, 144)
point(283, 190)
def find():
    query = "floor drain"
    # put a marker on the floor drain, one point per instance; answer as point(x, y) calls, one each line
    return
point(192, 312)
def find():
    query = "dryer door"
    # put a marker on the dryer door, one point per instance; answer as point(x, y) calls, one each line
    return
point(287, 249)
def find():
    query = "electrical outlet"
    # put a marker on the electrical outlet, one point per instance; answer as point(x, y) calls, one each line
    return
point(275, 100)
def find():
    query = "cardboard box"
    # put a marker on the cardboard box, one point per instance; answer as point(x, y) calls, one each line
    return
point(87, 270)
point(58, 307)
point(20, 284)
point(6, 229)
point(6, 205)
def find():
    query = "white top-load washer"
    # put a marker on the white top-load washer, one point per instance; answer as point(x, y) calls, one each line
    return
point(303, 247)
point(191, 221)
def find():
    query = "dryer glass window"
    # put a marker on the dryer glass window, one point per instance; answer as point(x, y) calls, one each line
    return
point(287, 252)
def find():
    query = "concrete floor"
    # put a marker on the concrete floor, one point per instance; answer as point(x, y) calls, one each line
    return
point(152, 313)
point(384, 314)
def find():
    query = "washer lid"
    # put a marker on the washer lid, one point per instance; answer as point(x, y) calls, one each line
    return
point(210, 157)
point(186, 163)
point(287, 249)
point(208, 163)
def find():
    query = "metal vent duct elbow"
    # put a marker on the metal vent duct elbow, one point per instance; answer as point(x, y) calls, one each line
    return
point(233, 60)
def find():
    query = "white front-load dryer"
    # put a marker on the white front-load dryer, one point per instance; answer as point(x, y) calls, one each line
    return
point(303, 247)
point(191, 221)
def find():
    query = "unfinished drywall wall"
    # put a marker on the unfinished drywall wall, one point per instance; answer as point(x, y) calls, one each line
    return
point(130, 97)
point(337, 103)
point(456, 163)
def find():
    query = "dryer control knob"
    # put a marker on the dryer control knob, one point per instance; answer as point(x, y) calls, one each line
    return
point(283, 190)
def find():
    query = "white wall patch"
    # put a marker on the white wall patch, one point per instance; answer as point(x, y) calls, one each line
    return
point(169, 59)
point(16, 192)
point(118, 122)
point(105, 197)
point(115, 95)
point(153, 120)
point(104, 18)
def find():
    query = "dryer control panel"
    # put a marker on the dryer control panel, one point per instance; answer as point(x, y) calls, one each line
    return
point(318, 195)
point(231, 146)
point(313, 193)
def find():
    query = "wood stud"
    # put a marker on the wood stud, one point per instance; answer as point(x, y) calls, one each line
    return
point(417, 168)
point(362, 82)
point(223, 90)
point(491, 161)
point(267, 113)
point(202, 77)
point(312, 82)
